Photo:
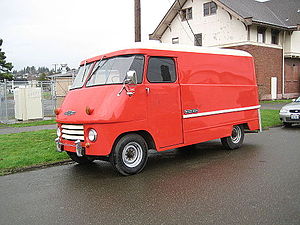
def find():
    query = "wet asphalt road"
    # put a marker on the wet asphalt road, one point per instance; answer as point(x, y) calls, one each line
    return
point(257, 184)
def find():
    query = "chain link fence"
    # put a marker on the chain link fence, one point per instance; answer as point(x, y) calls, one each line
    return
point(49, 97)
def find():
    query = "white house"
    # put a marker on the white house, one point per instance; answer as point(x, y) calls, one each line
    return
point(268, 30)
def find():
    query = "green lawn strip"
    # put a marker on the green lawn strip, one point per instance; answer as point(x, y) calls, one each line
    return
point(276, 101)
point(270, 118)
point(29, 124)
point(27, 149)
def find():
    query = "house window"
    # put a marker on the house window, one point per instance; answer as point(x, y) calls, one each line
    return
point(275, 37)
point(175, 40)
point(186, 14)
point(209, 8)
point(198, 39)
point(261, 34)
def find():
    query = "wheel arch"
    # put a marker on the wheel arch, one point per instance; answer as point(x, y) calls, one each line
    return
point(145, 134)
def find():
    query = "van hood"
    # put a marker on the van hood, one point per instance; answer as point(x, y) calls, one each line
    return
point(106, 105)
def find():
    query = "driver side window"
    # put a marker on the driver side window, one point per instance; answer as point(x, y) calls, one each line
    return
point(161, 70)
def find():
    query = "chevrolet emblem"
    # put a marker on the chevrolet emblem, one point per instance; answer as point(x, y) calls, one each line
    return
point(69, 113)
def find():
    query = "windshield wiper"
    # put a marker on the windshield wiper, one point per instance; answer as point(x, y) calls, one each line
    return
point(96, 68)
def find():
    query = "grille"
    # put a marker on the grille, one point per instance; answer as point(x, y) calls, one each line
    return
point(295, 111)
point(72, 132)
point(290, 120)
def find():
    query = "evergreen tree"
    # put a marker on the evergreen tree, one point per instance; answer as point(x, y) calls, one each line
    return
point(42, 77)
point(5, 67)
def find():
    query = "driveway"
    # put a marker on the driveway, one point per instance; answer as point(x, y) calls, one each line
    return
point(257, 184)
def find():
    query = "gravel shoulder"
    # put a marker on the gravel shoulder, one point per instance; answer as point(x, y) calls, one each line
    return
point(11, 130)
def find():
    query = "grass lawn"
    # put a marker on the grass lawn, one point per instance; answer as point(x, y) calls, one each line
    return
point(28, 148)
point(270, 118)
point(277, 101)
point(28, 124)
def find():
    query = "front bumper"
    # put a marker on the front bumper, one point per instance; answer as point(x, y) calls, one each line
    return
point(290, 117)
point(80, 150)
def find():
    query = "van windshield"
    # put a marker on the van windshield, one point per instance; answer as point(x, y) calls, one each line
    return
point(113, 70)
point(81, 76)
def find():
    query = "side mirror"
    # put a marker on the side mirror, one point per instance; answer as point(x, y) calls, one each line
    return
point(293, 100)
point(129, 82)
point(131, 77)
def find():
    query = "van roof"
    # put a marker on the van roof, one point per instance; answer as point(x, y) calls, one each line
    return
point(189, 48)
point(176, 48)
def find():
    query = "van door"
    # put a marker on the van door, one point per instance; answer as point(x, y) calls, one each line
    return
point(163, 100)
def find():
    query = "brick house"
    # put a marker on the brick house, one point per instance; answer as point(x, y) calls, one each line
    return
point(269, 30)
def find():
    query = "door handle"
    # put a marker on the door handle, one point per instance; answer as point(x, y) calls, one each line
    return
point(147, 90)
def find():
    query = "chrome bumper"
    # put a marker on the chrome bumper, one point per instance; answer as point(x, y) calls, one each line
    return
point(80, 151)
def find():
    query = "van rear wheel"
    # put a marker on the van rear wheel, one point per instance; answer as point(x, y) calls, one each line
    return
point(236, 139)
point(130, 154)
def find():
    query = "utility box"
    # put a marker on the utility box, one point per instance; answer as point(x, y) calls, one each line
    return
point(28, 103)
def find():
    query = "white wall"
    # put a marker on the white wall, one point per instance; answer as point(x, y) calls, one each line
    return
point(295, 42)
point(217, 29)
point(292, 44)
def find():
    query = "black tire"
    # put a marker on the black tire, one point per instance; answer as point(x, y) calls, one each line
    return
point(129, 155)
point(287, 124)
point(236, 139)
point(80, 160)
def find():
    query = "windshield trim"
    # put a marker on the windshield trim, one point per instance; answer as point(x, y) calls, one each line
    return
point(90, 76)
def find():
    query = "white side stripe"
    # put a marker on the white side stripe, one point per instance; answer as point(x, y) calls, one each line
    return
point(220, 112)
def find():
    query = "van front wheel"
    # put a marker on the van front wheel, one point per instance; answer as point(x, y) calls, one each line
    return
point(236, 139)
point(130, 154)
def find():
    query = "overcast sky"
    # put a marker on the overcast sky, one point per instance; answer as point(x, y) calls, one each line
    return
point(44, 32)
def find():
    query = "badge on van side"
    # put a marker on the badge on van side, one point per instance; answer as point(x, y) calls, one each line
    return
point(69, 113)
point(191, 111)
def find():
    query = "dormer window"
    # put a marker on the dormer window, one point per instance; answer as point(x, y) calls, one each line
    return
point(186, 14)
point(261, 35)
point(275, 36)
point(209, 8)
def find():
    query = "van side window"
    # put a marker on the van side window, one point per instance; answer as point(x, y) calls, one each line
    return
point(161, 70)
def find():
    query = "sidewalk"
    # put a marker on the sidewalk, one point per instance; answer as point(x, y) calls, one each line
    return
point(276, 106)
point(11, 130)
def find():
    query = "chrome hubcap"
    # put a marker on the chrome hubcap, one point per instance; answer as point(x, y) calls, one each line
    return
point(132, 154)
point(236, 134)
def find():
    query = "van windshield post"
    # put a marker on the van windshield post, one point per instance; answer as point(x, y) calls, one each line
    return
point(81, 76)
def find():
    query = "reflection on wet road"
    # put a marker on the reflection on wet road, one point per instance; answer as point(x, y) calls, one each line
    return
point(204, 184)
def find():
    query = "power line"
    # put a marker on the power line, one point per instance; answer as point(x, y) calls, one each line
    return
point(180, 22)
point(190, 26)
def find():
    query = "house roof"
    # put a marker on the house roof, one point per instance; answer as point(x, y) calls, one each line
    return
point(283, 14)
point(70, 73)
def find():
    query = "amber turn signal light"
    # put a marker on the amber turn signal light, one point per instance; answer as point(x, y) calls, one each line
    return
point(87, 145)
point(88, 110)
point(57, 111)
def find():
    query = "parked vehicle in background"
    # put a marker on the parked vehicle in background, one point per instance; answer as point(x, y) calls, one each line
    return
point(126, 102)
point(290, 113)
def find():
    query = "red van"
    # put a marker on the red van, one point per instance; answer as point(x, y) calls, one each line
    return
point(126, 102)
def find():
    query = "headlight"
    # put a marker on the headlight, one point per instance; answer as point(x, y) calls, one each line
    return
point(283, 110)
point(92, 135)
point(58, 132)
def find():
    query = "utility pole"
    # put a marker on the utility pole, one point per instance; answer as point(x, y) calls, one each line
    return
point(55, 64)
point(137, 20)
